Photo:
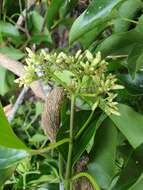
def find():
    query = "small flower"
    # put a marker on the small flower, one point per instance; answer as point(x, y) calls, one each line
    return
point(89, 55)
point(88, 78)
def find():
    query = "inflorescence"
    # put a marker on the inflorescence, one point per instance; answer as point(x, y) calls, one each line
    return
point(84, 74)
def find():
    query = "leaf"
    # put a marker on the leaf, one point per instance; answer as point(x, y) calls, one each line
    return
point(135, 59)
point(130, 123)
point(5, 174)
point(132, 171)
point(51, 186)
point(7, 136)
point(133, 86)
point(40, 38)
point(81, 143)
point(128, 10)
point(11, 52)
point(98, 12)
point(6, 81)
point(36, 22)
point(9, 30)
point(37, 138)
point(88, 38)
point(12, 149)
point(10, 157)
point(138, 185)
point(67, 6)
point(52, 11)
point(102, 164)
point(121, 43)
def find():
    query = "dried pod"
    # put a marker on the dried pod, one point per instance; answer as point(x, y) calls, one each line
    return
point(51, 113)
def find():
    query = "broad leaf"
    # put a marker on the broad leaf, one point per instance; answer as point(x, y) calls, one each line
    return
point(102, 164)
point(12, 52)
point(138, 185)
point(5, 174)
point(122, 42)
point(10, 157)
point(98, 12)
point(88, 38)
point(132, 171)
point(81, 143)
point(67, 6)
point(135, 59)
point(128, 10)
point(53, 10)
point(130, 123)
point(133, 86)
point(12, 149)
point(9, 30)
point(6, 81)
point(7, 136)
point(36, 23)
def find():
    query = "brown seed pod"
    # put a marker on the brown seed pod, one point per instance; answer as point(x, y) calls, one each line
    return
point(51, 112)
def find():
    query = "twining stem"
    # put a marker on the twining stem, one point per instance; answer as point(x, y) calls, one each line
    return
point(68, 184)
point(51, 146)
point(60, 166)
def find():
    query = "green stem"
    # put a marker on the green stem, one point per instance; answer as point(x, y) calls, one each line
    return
point(85, 124)
point(60, 166)
point(89, 177)
point(51, 146)
point(68, 184)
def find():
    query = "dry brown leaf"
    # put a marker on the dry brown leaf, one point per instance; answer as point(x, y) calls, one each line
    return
point(51, 112)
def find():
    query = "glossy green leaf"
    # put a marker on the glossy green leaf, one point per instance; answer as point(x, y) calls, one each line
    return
point(130, 123)
point(49, 186)
point(81, 143)
point(133, 86)
point(36, 22)
point(98, 12)
point(128, 10)
point(10, 157)
point(88, 38)
point(138, 185)
point(132, 170)
point(135, 59)
point(52, 11)
point(67, 6)
point(5, 174)
point(9, 30)
point(7, 136)
point(103, 154)
point(64, 129)
point(6, 81)
point(12, 52)
point(122, 43)
point(41, 38)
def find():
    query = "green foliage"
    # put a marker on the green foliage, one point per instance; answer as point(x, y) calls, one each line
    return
point(112, 143)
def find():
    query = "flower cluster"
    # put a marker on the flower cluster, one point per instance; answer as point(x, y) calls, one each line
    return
point(83, 74)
